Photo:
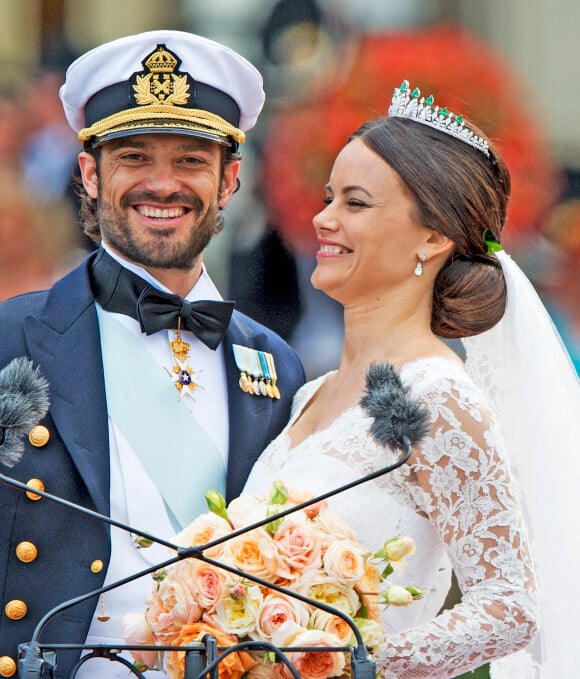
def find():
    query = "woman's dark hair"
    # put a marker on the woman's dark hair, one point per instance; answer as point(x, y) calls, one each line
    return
point(460, 192)
point(88, 206)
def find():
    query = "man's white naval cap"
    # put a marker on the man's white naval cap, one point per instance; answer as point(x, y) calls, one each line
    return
point(162, 81)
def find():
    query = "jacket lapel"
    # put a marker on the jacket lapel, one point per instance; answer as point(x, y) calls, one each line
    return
point(249, 416)
point(64, 342)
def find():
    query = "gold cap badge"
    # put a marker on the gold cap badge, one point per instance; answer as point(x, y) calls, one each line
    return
point(160, 83)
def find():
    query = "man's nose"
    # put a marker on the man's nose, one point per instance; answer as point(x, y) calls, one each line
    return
point(162, 178)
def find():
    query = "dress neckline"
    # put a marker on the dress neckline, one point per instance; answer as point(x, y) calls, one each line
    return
point(309, 390)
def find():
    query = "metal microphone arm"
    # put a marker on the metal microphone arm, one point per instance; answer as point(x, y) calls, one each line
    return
point(363, 665)
point(83, 510)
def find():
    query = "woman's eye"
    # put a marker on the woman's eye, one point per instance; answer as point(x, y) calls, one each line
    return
point(354, 202)
point(327, 201)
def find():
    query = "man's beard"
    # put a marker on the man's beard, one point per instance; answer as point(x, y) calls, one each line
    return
point(117, 232)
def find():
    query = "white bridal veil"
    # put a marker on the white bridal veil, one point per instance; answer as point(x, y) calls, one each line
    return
point(524, 370)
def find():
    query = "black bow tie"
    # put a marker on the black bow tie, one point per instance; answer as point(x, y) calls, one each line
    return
point(120, 290)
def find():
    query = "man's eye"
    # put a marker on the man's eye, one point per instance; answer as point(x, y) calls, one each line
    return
point(132, 157)
point(192, 160)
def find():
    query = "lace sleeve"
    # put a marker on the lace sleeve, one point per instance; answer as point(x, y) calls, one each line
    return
point(460, 479)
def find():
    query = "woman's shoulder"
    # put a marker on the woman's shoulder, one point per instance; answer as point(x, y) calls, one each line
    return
point(438, 375)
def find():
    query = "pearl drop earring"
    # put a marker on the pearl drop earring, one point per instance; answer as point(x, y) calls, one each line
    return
point(419, 268)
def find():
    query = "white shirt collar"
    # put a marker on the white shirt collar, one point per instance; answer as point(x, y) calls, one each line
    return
point(204, 288)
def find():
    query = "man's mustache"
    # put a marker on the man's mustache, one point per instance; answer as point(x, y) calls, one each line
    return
point(177, 198)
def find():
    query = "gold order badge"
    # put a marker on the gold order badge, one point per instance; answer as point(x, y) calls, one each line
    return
point(182, 375)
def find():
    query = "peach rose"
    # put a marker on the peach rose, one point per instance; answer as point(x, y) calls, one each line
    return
point(247, 509)
point(203, 530)
point(276, 609)
point(335, 526)
point(322, 620)
point(299, 544)
point(136, 631)
point(233, 666)
point(207, 583)
point(172, 605)
point(265, 670)
point(310, 665)
point(296, 497)
point(343, 560)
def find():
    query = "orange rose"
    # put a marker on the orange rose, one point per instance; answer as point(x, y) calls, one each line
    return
point(368, 589)
point(255, 553)
point(322, 620)
point(204, 529)
point(313, 664)
point(233, 666)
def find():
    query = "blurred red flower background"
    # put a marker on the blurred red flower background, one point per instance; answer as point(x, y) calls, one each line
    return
point(463, 72)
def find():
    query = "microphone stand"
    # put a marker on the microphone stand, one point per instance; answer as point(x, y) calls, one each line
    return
point(32, 660)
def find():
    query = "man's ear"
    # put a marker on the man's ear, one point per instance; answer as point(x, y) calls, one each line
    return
point(228, 185)
point(89, 176)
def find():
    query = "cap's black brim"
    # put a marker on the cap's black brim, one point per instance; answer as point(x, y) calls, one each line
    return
point(183, 131)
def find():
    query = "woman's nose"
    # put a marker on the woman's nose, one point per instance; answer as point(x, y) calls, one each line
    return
point(325, 219)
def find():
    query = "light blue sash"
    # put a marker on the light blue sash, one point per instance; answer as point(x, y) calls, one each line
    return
point(177, 453)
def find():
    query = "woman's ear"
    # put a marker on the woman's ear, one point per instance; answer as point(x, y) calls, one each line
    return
point(89, 175)
point(437, 244)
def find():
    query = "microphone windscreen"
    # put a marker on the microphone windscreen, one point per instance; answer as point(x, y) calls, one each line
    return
point(395, 414)
point(23, 403)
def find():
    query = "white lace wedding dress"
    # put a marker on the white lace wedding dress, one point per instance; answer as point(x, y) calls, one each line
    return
point(455, 498)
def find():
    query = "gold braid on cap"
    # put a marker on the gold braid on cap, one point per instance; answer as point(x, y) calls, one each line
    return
point(168, 117)
point(411, 105)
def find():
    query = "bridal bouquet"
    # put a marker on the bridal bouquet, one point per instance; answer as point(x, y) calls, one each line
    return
point(311, 552)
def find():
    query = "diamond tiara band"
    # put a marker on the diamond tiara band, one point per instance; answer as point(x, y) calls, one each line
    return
point(411, 105)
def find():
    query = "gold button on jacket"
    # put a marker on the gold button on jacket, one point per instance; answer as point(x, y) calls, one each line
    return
point(7, 666)
point(97, 566)
point(34, 483)
point(16, 609)
point(26, 552)
point(39, 436)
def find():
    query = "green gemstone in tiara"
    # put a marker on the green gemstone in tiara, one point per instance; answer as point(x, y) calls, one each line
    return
point(415, 107)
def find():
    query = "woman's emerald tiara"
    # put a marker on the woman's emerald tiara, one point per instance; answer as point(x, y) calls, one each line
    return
point(412, 105)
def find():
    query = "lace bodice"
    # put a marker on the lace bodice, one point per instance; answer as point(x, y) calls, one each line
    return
point(454, 497)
